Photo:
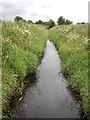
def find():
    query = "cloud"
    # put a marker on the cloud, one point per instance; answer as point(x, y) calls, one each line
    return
point(89, 11)
point(7, 5)
point(13, 8)
point(45, 9)
point(46, 6)
point(34, 14)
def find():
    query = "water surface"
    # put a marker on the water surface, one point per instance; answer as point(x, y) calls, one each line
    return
point(49, 97)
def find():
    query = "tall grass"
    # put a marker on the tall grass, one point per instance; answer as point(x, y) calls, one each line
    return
point(22, 48)
point(72, 45)
point(0, 72)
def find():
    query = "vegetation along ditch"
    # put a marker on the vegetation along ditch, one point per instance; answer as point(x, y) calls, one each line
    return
point(72, 44)
point(23, 46)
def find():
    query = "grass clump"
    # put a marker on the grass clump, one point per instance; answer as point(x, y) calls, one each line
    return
point(72, 45)
point(23, 45)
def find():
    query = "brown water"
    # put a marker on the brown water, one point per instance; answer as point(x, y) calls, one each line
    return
point(49, 96)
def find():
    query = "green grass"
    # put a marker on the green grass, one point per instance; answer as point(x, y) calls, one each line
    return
point(72, 45)
point(22, 49)
point(0, 73)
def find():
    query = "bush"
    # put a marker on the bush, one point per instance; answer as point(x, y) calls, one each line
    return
point(51, 23)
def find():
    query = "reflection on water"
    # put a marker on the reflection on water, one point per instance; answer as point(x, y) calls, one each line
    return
point(49, 97)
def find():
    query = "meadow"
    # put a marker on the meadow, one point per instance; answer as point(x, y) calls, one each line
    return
point(23, 46)
point(72, 44)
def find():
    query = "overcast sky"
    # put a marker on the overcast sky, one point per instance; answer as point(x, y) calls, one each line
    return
point(75, 10)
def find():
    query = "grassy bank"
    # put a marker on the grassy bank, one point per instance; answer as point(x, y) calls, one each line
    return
point(22, 48)
point(72, 45)
point(0, 73)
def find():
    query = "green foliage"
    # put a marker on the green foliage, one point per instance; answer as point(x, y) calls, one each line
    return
point(72, 44)
point(51, 23)
point(17, 18)
point(39, 22)
point(81, 23)
point(30, 21)
point(62, 21)
point(68, 22)
point(23, 45)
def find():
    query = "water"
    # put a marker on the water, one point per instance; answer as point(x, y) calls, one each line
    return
point(49, 97)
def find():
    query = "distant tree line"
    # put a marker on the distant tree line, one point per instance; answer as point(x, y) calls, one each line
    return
point(61, 21)
point(49, 23)
point(81, 23)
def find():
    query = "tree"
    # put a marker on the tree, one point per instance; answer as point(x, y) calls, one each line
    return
point(17, 18)
point(39, 22)
point(51, 23)
point(61, 20)
point(81, 23)
point(67, 22)
point(30, 21)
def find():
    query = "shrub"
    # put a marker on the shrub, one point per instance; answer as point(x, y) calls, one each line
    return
point(51, 23)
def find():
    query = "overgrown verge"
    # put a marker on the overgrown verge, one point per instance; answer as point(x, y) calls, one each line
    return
point(23, 46)
point(72, 45)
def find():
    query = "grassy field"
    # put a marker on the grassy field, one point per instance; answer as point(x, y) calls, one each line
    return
point(22, 49)
point(72, 45)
